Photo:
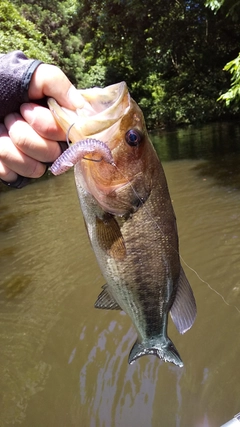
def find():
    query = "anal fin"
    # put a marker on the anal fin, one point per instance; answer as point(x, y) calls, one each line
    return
point(106, 301)
point(183, 310)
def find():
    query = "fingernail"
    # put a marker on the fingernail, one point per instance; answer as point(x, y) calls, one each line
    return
point(75, 97)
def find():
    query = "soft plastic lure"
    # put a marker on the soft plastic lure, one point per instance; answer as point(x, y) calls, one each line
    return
point(78, 151)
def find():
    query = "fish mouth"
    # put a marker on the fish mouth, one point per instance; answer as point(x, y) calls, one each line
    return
point(106, 115)
point(99, 114)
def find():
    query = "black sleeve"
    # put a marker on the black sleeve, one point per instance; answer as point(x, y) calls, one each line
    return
point(16, 71)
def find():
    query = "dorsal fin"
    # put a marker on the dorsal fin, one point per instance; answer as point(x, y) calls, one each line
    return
point(106, 301)
point(183, 310)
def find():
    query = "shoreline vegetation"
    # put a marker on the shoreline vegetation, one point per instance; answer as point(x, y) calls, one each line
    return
point(185, 141)
point(171, 54)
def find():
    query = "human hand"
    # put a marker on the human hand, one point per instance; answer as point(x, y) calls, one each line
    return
point(29, 140)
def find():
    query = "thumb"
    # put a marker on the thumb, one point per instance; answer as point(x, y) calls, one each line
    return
point(49, 80)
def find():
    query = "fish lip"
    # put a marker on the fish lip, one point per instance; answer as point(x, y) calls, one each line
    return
point(105, 119)
point(99, 123)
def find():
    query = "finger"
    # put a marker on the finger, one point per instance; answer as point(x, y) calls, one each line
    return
point(13, 162)
point(30, 142)
point(3, 130)
point(5, 173)
point(42, 121)
point(48, 80)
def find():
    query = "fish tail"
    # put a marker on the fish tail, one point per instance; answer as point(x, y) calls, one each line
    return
point(162, 348)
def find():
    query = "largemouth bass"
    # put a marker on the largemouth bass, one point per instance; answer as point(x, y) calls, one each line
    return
point(129, 216)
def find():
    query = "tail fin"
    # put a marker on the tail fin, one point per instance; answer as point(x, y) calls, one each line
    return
point(162, 348)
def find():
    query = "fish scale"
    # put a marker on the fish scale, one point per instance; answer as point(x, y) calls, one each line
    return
point(130, 221)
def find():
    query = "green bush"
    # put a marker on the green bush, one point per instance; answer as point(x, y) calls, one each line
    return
point(18, 33)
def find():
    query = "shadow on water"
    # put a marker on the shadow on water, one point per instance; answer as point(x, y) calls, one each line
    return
point(218, 145)
point(7, 219)
point(226, 171)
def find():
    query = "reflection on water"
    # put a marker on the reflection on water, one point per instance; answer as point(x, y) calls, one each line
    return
point(217, 143)
point(117, 387)
point(64, 363)
point(207, 142)
point(124, 395)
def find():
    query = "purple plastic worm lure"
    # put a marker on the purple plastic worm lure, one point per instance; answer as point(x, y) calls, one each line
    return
point(78, 151)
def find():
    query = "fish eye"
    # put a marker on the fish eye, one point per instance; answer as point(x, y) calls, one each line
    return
point(133, 137)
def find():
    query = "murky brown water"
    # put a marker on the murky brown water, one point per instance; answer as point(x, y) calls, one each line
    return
point(64, 363)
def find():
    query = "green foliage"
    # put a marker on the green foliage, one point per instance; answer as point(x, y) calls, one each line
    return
point(214, 4)
point(173, 49)
point(233, 94)
point(18, 33)
point(170, 53)
point(228, 7)
point(151, 100)
point(59, 23)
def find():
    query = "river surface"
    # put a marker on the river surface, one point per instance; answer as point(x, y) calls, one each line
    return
point(64, 363)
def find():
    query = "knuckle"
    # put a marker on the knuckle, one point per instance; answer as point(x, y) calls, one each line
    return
point(35, 170)
point(18, 137)
point(7, 174)
point(4, 152)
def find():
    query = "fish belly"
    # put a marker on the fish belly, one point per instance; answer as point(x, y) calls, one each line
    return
point(142, 281)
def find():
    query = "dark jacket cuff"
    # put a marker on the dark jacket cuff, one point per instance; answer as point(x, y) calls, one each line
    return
point(16, 71)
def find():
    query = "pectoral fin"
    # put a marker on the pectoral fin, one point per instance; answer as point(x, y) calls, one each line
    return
point(106, 301)
point(110, 237)
point(183, 310)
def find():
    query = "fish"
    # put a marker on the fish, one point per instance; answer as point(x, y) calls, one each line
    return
point(129, 216)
